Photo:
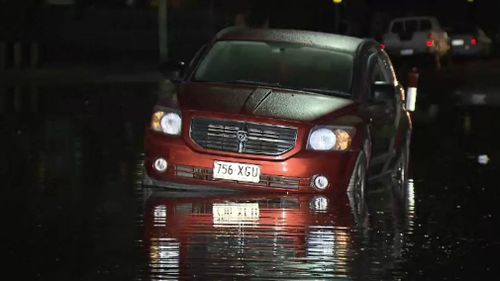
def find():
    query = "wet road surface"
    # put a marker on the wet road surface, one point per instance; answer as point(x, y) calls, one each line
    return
point(74, 209)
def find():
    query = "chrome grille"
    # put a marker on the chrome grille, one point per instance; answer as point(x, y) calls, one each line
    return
point(265, 180)
point(242, 137)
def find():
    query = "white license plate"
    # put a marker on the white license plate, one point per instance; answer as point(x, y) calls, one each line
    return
point(235, 213)
point(478, 99)
point(406, 52)
point(457, 42)
point(236, 171)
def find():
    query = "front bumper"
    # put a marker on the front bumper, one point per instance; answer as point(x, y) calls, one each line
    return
point(192, 170)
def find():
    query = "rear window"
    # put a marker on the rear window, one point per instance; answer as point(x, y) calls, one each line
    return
point(397, 27)
point(425, 25)
point(285, 64)
point(411, 26)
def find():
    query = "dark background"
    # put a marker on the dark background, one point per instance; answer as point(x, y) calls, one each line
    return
point(119, 29)
point(72, 118)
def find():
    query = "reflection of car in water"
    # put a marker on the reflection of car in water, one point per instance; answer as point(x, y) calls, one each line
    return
point(265, 235)
point(470, 40)
point(280, 110)
point(246, 235)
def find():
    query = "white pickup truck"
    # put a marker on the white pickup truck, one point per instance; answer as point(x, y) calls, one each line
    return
point(409, 36)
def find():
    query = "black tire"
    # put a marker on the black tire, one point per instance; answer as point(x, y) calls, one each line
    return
point(400, 173)
point(357, 187)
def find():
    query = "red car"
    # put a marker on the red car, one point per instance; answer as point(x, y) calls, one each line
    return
point(280, 110)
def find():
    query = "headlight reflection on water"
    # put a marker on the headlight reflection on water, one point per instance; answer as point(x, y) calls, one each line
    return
point(411, 204)
point(160, 215)
point(164, 258)
point(326, 250)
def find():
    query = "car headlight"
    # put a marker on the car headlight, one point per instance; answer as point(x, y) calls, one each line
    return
point(167, 122)
point(330, 138)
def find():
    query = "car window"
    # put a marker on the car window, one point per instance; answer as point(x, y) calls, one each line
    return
point(411, 26)
point(196, 57)
point(284, 64)
point(388, 68)
point(425, 25)
point(376, 76)
point(380, 73)
point(397, 27)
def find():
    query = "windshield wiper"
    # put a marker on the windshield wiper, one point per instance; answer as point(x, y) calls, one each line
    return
point(327, 92)
point(252, 82)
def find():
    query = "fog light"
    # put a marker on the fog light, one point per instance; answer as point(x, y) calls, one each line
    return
point(320, 182)
point(319, 204)
point(160, 165)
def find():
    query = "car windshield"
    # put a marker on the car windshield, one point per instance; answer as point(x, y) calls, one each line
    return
point(285, 65)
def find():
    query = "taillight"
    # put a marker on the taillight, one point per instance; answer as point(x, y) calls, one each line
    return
point(430, 43)
point(382, 46)
point(473, 41)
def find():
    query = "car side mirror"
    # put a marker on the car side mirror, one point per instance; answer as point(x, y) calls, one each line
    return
point(173, 70)
point(383, 91)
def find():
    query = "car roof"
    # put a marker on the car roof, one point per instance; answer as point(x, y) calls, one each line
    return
point(342, 43)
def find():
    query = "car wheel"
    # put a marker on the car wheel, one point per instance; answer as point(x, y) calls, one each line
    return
point(145, 186)
point(357, 187)
point(401, 168)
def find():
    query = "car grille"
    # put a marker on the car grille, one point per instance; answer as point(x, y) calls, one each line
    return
point(265, 181)
point(242, 137)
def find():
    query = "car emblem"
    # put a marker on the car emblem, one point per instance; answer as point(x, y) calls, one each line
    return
point(242, 137)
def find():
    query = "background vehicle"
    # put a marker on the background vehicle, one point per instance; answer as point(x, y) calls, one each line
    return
point(412, 36)
point(470, 40)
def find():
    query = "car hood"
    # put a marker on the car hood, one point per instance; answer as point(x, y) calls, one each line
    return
point(265, 102)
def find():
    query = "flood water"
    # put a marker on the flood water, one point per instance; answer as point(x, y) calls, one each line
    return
point(74, 208)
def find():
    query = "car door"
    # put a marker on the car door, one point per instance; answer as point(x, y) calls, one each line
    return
point(383, 112)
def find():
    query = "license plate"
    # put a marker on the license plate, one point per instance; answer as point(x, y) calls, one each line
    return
point(407, 52)
point(235, 213)
point(457, 42)
point(236, 171)
point(478, 99)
